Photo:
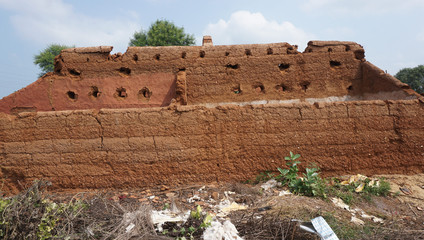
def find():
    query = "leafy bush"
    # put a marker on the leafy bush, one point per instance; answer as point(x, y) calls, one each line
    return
point(311, 184)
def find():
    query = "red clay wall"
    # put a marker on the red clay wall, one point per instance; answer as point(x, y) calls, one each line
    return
point(193, 144)
point(91, 78)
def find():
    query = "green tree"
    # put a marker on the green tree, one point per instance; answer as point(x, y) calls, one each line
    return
point(162, 33)
point(45, 59)
point(414, 77)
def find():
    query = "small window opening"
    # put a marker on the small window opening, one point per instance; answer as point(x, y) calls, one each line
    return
point(88, 59)
point(74, 72)
point(248, 52)
point(202, 54)
point(183, 55)
point(335, 63)
point(283, 66)
point(305, 85)
point(145, 93)
point(227, 54)
point(95, 92)
point(135, 57)
point(350, 88)
point(121, 92)
point(347, 48)
point(236, 89)
point(157, 57)
point(259, 87)
point(125, 70)
point(330, 49)
point(269, 51)
point(72, 95)
point(281, 88)
point(233, 66)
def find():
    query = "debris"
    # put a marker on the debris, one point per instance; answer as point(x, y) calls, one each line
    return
point(405, 190)
point(215, 196)
point(193, 199)
point(320, 227)
point(264, 208)
point(420, 208)
point(233, 207)
point(284, 193)
point(323, 229)
point(269, 184)
point(161, 217)
point(360, 187)
point(339, 203)
point(130, 227)
point(377, 220)
point(357, 221)
point(218, 231)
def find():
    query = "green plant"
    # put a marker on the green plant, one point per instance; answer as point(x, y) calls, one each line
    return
point(193, 228)
point(289, 175)
point(311, 184)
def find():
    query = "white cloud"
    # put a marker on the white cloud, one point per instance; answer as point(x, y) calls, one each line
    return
point(360, 7)
point(53, 21)
point(245, 27)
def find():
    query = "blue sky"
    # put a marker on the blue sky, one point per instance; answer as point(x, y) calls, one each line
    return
point(391, 31)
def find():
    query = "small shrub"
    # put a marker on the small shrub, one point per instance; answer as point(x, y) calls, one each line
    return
point(311, 184)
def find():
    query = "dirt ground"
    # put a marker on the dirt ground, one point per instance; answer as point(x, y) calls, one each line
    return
point(276, 214)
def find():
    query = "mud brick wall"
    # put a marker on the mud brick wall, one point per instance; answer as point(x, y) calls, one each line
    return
point(193, 144)
point(92, 78)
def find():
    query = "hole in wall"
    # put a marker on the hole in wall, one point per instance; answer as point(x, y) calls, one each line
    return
point(330, 49)
point(157, 57)
point(236, 89)
point(72, 95)
point(259, 87)
point(125, 70)
point(227, 54)
point(359, 54)
point(88, 59)
point(233, 66)
point(283, 66)
point(74, 72)
point(269, 51)
point(347, 48)
point(135, 57)
point(95, 92)
point(144, 93)
point(183, 55)
point(305, 85)
point(310, 50)
point(281, 88)
point(350, 88)
point(121, 92)
point(335, 63)
point(248, 52)
point(202, 54)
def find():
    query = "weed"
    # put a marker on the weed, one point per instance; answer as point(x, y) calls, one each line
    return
point(311, 184)
point(192, 229)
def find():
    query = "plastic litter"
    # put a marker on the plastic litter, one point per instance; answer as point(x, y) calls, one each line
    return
point(269, 184)
point(357, 221)
point(218, 231)
point(320, 227)
point(284, 193)
point(163, 216)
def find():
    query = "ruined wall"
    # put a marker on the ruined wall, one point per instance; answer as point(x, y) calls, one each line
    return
point(91, 78)
point(193, 144)
point(207, 113)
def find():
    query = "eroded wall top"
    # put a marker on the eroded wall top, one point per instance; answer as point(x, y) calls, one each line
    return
point(92, 78)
